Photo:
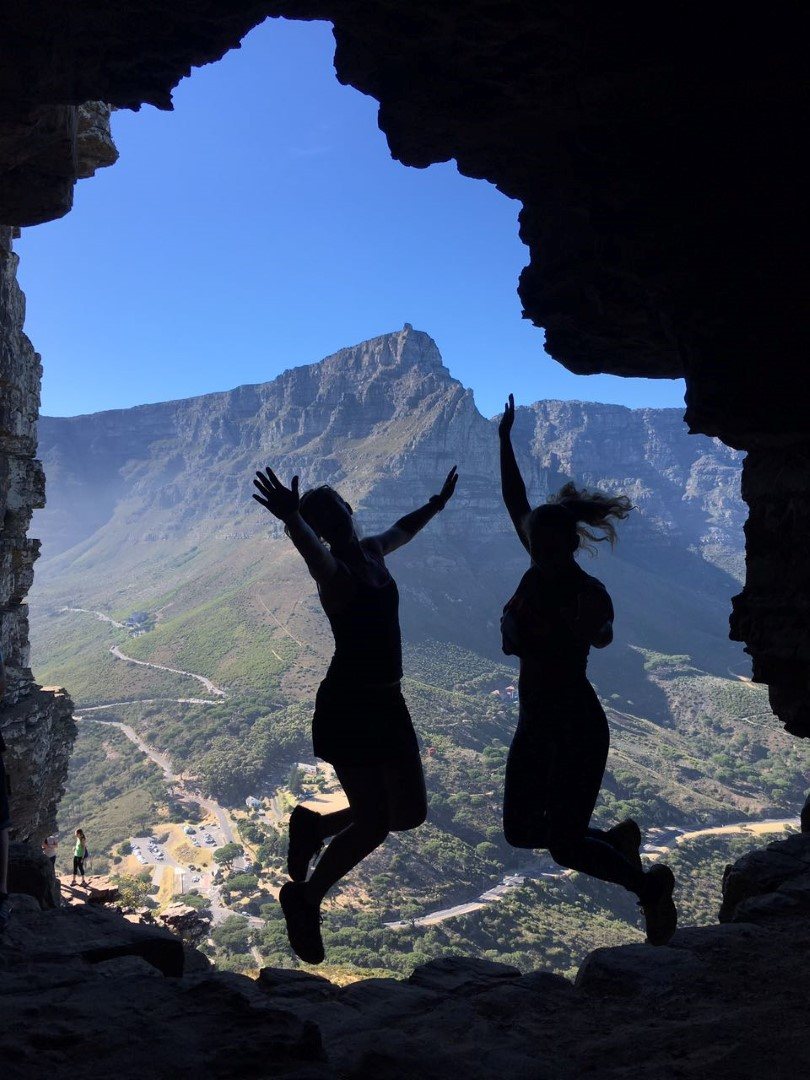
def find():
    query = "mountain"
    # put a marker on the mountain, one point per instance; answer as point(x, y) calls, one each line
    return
point(155, 500)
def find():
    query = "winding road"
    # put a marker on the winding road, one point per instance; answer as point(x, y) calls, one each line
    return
point(209, 686)
point(218, 909)
point(674, 837)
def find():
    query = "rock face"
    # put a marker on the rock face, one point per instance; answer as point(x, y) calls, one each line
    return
point(187, 922)
point(384, 420)
point(718, 1000)
point(36, 723)
point(766, 883)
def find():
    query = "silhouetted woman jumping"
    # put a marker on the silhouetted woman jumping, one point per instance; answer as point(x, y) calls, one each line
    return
point(361, 723)
point(557, 758)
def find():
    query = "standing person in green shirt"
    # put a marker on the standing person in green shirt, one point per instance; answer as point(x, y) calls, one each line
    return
point(79, 855)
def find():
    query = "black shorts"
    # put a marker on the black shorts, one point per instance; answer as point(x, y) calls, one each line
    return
point(5, 814)
point(361, 725)
point(555, 768)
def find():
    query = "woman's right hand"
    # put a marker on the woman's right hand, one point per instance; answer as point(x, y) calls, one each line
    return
point(508, 418)
point(282, 502)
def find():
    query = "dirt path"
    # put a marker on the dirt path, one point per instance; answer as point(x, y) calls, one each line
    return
point(282, 627)
point(99, 615)
point(150, 701)
point(209, 686)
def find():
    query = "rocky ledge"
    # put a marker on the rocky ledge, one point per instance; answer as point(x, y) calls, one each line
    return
point(85, 990)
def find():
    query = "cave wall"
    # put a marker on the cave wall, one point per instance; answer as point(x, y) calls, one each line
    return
point(655, 154)
point(36, 723)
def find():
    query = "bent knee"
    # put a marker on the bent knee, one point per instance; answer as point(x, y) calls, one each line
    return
point(519, 838)
point(563, 854)
point(412, 820)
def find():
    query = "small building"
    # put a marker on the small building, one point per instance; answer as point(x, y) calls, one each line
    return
point(304, 767)
point(252, 803)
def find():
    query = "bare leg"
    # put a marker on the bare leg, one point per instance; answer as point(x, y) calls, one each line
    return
point(368, 802)
point(593, 855)
point(381, 798)
point(407, 797)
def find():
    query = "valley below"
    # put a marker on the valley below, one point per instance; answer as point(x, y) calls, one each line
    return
point(191, 639)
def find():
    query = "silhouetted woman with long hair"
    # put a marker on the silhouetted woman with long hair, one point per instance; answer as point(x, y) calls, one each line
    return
point(361, 723)
point(558, 755)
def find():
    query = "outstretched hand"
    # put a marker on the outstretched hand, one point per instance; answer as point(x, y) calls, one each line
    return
point(448, 487)
point(282, 502)
point(508, 418)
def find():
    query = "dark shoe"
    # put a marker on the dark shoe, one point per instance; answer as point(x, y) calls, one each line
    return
point(303, 922)
point(304, 842)
point(626, 839)
point(659, 909)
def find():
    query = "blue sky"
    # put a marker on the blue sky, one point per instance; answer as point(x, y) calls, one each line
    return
point(262, 225)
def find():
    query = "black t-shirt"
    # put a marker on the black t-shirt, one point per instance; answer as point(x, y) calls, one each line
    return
point(536, 629)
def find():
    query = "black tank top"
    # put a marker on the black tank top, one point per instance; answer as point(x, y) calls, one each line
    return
point(368, 644)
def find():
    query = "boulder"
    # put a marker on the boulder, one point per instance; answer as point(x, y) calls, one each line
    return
point(781, 868)
point(465, 974)
point(30, 872)
point(189, 923)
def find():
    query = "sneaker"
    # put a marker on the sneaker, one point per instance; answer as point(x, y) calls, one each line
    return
point(626, 839)
point(303, 922)
point(5, 914)
point(304, 842)
point(659, 909)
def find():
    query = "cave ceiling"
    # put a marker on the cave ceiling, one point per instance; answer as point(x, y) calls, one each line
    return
point(654, 150)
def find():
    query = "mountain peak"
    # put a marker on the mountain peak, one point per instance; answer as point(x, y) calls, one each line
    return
point(396, 351)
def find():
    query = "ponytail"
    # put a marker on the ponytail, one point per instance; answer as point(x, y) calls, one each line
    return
point(592, 512)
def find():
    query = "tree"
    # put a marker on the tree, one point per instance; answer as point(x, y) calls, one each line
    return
point(132, 891)
point(233, 935)
point(225, 855)
point(294, 780)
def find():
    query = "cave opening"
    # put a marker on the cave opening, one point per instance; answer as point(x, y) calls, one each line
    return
point(510, 277)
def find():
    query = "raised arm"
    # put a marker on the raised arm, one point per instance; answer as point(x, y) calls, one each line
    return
point(512, 487)
point(408, 526)
point(283, 503)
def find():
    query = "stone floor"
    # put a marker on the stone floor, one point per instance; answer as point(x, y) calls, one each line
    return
point(86, 992)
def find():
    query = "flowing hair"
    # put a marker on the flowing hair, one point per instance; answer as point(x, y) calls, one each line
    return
point(591, 514)
point(593, 511)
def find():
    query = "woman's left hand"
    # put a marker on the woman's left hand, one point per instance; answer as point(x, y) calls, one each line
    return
point(448, 487)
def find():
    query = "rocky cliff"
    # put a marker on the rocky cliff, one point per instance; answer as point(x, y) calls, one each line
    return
point(725, 1001)
point(36, 723)
point(384, 420)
